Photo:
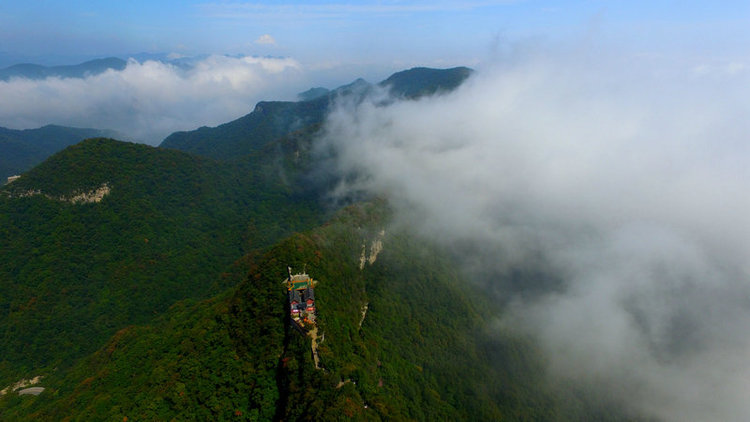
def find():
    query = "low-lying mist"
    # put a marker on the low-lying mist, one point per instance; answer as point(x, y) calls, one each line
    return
point(621, 178)
point(148, 100)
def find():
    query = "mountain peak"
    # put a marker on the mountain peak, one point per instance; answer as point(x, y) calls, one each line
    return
point(313, 93)
point(272, 120)
point(419, 81)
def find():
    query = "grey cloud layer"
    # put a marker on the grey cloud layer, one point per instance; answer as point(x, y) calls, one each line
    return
point(147, 101)
point(630, 181)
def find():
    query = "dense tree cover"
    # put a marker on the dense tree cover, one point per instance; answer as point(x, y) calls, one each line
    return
point(269, 121)
point(20, 150)
point(88, 292)
point(73, 274)
point(417, 354)
point(420, 81)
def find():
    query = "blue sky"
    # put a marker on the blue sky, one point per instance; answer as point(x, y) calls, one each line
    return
point(336, 32)
point(282, 48)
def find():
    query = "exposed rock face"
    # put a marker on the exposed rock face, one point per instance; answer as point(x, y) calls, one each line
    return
point(375, 248)
point(21, 384)
point(33, 391)
point(92, 196)
point(363, 257)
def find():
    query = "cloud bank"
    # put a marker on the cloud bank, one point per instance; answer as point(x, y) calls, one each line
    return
point(623, 180)
point(149, 100)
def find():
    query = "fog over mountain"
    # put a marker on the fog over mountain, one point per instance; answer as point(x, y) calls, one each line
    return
point(621, 180)
point(148, 100)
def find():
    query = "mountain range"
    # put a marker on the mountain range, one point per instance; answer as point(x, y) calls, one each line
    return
point(36, 71)
point(20, 150)
point(145, 283)
point(271, 120)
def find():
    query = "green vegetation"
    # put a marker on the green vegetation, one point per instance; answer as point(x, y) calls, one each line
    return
point(73, 274)
point(272, 120)
point(164, 301)
point(421, 81)
point(269, 121)
point(417, 354)
point(20, 150)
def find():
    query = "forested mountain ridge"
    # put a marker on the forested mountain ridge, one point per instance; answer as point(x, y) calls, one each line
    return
point(420, 81)
point(168, 225)
point(269, 120)
point(163, 299)
point(401, 342)
point(20, 150)
point(274, 119)
point(35, 71)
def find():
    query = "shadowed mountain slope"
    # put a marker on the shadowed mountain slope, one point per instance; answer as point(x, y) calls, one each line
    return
point(420, 81)
point(271, 120)
point(20, 150)
point(106, 234)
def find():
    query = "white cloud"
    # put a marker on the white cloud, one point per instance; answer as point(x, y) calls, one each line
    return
point(627, 183)
point(148, 101)
point(265, 39)
point(720, 69)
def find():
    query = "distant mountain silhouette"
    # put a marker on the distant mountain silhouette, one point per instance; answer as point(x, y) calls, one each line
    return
point(20, 150)
point(271, 120)
point(421, 81)
point(35, 71)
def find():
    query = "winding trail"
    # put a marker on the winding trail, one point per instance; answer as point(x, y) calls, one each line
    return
point(313, 333)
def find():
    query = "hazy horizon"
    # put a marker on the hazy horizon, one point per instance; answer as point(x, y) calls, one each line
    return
point(299, 45)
